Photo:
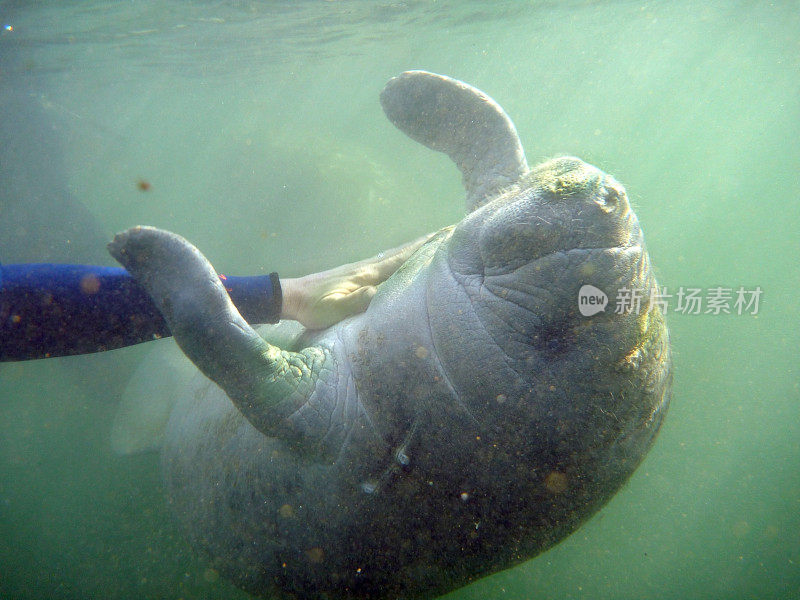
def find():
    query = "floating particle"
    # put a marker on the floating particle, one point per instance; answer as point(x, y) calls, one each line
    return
point(90, 284)
point(741, 529)
point(315, 555)
point(143, 185)
point(555, 482)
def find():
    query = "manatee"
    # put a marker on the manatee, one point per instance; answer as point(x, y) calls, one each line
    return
point(470, 419)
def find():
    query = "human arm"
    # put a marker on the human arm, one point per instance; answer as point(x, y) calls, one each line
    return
point(321, 299)
point(49, 310)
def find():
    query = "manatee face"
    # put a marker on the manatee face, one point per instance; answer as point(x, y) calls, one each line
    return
point(550, 231)
point(469, 420)
point(561, 206)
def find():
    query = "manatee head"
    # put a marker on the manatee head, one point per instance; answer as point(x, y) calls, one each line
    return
point(564, 210)
point(519, 261)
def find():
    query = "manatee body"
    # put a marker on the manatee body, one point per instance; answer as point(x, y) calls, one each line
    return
point(471, 418)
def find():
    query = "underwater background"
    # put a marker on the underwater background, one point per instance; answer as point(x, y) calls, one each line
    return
point(254, 130)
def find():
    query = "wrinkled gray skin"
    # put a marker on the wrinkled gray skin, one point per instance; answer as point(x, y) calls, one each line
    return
point(470, 419)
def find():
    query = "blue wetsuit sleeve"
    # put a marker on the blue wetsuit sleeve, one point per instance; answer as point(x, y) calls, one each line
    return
point(58, 310)
point(258, 299)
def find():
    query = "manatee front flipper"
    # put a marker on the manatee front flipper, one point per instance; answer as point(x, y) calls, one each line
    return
point(452, 117)
point(269, 386)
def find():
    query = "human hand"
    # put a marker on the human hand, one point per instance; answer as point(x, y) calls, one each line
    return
point(321, 299)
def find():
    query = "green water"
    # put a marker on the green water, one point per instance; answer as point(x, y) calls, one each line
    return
point(259, 130)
